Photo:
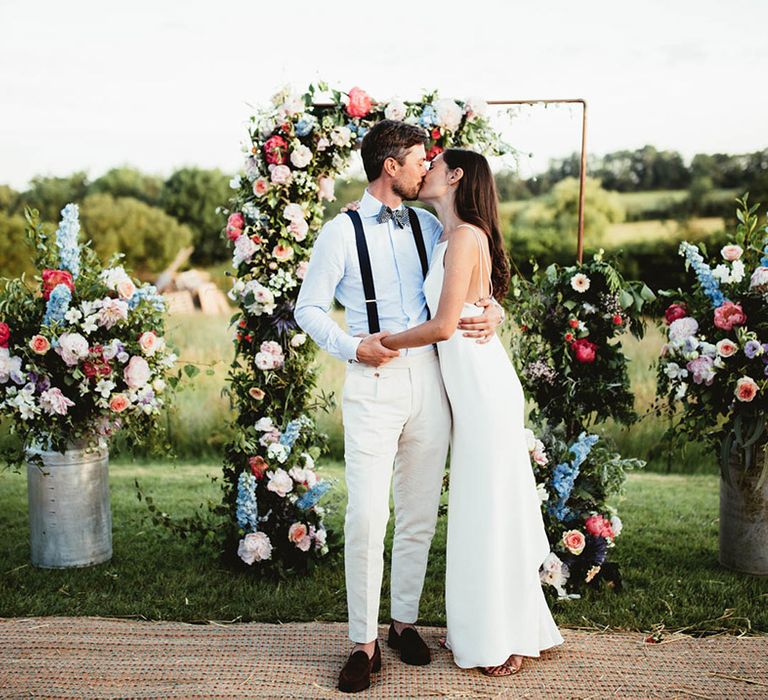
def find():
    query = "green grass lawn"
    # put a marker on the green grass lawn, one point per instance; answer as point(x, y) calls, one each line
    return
point(667, 553)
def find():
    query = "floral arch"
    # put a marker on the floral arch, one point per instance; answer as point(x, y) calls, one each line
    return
point(296, 148)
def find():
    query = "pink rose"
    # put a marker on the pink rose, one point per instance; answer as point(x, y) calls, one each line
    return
point(729, 315)
point(299, 229)
point(119, 402)
point(136, 373)
point(731, 252)
point(325, 188)
point(276, 150)
point(574, 541)
point(301, 269)
point(297, 532)
point(235, 225)
point(281, 175)
point(260, 186)
point(598, 526)
point(584, 350)
point(746, 389)
point(673, 312)
point(359, 103)
point(39, 344)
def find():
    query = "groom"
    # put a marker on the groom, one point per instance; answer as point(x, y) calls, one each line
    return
point(397, 419)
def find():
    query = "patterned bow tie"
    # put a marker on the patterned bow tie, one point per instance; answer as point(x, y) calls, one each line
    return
point(399, 216)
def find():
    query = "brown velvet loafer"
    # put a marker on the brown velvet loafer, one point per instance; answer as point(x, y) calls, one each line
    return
point(356, 674)
point(413, 649)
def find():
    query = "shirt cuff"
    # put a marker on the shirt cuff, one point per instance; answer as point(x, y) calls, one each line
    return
point(348, 347)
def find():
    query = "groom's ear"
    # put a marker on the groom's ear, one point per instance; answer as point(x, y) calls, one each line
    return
point(390, 166)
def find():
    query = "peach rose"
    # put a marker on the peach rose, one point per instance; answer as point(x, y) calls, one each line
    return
point(325, 188)
point(297, 532)
point(299, 229)
point(119, 402)
point(574, 541)
point(260, 186)
point(126, 288)
point(39, 344)
point(149, 343)
point(746, 389)
point(726, 348)
point(255, 393)
point(282, 252)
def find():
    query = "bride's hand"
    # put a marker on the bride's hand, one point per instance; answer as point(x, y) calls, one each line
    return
point(352, 206)
point(483, 327)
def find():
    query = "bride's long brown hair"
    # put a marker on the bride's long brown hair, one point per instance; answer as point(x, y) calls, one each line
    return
point(477, 203)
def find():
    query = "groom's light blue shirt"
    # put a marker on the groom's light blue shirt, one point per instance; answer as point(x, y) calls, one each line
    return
point(334, 271)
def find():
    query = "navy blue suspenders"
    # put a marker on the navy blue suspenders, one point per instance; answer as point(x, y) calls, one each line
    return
point(365, 263)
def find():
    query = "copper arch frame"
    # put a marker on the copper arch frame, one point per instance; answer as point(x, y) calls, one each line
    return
point(583, 162)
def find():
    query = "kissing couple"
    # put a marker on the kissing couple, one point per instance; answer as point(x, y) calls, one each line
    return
point(425, 369)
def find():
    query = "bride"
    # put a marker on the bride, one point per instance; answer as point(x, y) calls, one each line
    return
point(495, 607)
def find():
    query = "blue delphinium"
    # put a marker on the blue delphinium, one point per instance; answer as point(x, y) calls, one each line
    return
point(311, 497)
point(704, 275)
point(58, 304)
point(305, 125)
point(292, 431)
point(428, 116)
point(247, 508)
point(565, 474)
point(764, 259)
point(66, 240)
point(149, 293)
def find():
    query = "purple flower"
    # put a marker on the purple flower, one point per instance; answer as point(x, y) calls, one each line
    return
point(752, 348)
point(702, 370)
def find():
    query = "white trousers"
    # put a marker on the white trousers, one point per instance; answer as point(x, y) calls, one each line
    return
point(397, 422)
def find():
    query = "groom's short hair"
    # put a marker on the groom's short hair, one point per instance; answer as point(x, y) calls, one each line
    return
point(388, 139)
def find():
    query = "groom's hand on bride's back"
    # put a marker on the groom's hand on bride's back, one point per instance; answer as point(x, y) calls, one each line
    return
point(483, 327)
point(372, 352)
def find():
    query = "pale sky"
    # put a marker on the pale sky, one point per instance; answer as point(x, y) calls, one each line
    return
point(90, 85)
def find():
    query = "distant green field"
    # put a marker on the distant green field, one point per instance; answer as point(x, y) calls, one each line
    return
point(635, 231)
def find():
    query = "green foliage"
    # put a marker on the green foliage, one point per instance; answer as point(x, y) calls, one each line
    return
point(192, 195)
point(147, 236)
point(555, 317)
point(128, 182)
point(14, 253)
point(49, 194)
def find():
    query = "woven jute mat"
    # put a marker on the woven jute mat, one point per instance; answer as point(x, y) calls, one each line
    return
point(87, 657)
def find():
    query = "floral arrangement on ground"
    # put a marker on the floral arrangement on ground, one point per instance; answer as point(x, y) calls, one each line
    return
point(714, 365)
point(82, 349)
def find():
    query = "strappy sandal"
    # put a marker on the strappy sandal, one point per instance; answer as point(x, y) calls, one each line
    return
point(496, 671)
point(511, 666)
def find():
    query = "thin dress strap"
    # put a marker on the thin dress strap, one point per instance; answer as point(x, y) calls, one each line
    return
point(482, 260)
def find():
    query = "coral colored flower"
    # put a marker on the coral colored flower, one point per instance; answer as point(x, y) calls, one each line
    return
point(598, 526)
point(255, 393)
point(746, 389)
point(52, 278)
point(726, 348)
point(260, 186)
point(729, 315)
point(584, 350)
point(359, 103)
point(568, 337)
point(673, 312)
point(39, 344)
point(5, 334)
point(617, 319)
point(283, 252)
point(235, 225)
point(574, 541)
point(119, 402)
point(436, 134)
point(573, 323)
point(276, 150)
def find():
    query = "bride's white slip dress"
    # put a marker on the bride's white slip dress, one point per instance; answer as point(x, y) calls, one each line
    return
point(495, 605)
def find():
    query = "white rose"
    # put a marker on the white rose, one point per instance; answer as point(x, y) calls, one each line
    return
point(301, 156)
point(395, 110)
point(475, 107)
point(616, 525)
point(298, 340)
point(683, 328)
point(73, 347)
point(449, 114)
point(278, 452)
point(264, 425)
point(255, 546)
point(265, 361)
point(759, 278)
point(341, 136)
point(280, 483)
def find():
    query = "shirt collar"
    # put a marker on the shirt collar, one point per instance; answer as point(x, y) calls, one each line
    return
point(369, 205)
